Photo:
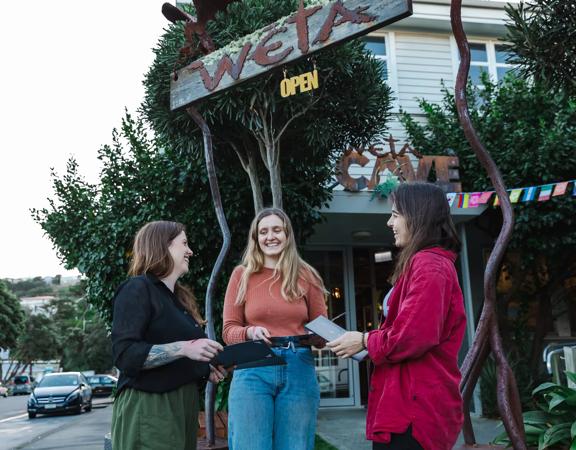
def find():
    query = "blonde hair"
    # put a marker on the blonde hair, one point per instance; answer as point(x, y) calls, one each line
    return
point(150, 254)
point(291, 268)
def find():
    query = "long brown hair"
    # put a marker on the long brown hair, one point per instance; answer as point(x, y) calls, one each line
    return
point(150, 254)
point(291, 268)
point(427, 214)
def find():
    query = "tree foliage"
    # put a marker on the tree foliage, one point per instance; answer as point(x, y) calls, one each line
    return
point(38, 341)
point(11, 318)
point(30, 287)
point(529, 148)
point(542, 36)
point(351, 106)
point(164, 177)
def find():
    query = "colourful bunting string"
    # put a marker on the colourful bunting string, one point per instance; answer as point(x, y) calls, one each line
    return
point(485, 197)
point(540, 193)
point(545, 193)
point(529, 194)
point(474, 200)
point(460, 200)
point(560, 189)
point(515, 195)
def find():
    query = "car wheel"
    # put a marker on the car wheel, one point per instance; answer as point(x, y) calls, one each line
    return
point(78, 410)
point(31, 415)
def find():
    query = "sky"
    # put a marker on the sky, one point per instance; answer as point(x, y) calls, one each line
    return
point(68, 71)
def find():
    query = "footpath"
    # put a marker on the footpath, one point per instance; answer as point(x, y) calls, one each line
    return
point(344, 428)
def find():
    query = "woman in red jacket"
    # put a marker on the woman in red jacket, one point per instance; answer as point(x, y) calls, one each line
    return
point(414, 399)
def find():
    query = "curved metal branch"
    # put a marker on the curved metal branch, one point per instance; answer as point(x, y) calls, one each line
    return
point(217, 199)
point(508, 398)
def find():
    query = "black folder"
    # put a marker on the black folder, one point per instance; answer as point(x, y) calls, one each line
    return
point(247, 354)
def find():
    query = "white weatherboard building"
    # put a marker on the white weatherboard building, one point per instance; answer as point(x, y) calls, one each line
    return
point(351, 249)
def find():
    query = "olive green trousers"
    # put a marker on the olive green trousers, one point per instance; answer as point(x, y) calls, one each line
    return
point(145, 421)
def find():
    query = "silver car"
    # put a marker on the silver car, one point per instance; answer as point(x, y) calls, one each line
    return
point(22, 384)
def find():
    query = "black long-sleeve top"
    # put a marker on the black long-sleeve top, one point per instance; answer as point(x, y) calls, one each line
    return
point(147, 313)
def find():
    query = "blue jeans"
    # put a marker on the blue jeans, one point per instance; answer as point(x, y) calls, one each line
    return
point(275, 407)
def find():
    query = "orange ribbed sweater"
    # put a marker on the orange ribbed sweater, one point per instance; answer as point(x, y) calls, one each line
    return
point(265, 307)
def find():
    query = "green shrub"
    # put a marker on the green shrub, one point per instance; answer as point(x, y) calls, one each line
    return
point(553, 425)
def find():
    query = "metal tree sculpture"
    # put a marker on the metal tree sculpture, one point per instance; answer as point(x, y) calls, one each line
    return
point(210, 397)
point(487, 336)
point(196, 26)
point(206, 10)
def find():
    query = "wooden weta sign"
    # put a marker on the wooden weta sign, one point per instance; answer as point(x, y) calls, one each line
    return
point(308, 30)
point(399, 164)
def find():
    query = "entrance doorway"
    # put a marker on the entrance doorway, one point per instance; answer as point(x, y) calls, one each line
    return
point(357, 281)
point(336, 377)
point(372, 270)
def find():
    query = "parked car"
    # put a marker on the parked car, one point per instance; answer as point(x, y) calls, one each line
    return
point(60, 392)
point(102, 385)
point(22, 384)
point(3, 390)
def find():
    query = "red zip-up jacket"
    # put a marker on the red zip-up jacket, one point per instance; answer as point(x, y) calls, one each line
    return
point(415, 355)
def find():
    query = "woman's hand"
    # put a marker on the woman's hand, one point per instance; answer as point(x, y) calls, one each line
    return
point(217, 373)
point(258, 333)
point(201, 349)
point(348, 344)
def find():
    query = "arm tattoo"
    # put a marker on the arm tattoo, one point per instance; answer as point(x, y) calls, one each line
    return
point(163, 354)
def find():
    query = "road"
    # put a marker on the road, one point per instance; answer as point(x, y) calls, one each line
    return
point(12, 406)
point(85, 431)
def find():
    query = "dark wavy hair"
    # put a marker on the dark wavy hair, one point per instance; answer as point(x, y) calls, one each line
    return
point(427, 214)
point(150, 254)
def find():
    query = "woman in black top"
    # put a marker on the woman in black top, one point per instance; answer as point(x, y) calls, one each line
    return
point(159, 346)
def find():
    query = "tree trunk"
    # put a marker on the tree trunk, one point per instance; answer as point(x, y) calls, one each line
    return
point(507, 391)
point(217, 200)
point(250, 166)
point(275, 177)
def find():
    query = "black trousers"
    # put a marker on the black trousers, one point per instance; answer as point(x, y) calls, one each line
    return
point(403, 441)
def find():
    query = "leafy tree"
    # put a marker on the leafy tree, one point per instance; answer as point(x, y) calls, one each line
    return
point(30, 287)
point(38, 341)
point(92, 226)
point(144, 178)
point(11, 319)
point(83, 342)
point(531, 135)
point(541, 33)
point(253, 120)
point(98, 347)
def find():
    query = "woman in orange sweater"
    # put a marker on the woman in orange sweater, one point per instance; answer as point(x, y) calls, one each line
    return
point(270, 296)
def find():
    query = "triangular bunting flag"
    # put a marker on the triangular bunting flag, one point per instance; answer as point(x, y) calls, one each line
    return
point(460, 200)
point(560, 189)
point(496, 200)
point(474, 199)
point(484, 197)
point(451, 196)
point(529, 194)
point(545, 193)
point(466, 200)
point(515, 195)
